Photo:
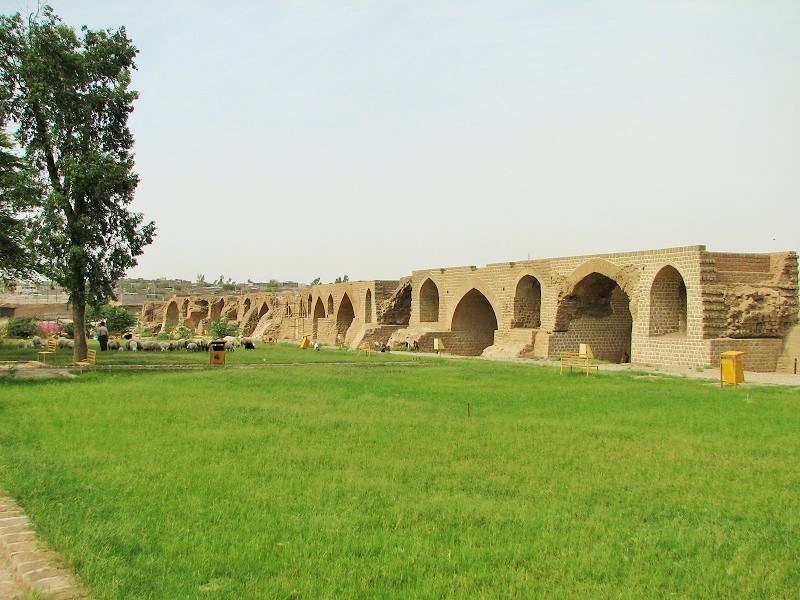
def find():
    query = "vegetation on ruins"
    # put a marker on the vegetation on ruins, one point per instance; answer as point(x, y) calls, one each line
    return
point(220, 327)
point(366, 481)
point(67, 97)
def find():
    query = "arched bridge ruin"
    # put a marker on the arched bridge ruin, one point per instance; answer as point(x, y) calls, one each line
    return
point(677, 306)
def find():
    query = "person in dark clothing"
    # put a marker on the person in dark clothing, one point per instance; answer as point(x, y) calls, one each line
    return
point(102, 336)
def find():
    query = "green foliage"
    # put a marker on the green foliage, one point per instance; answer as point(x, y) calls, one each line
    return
point(22, 327)
point(273, 285)
point(18, 195)
point(343, 279)
point(181, 332)
point(220, 327)
point(68, 97)
point(201, 279)
point(118, 319)
point(69, 329)
point(315, 281)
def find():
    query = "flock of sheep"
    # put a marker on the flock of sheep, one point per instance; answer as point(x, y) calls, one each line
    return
point(134, 345)
point(199, 345)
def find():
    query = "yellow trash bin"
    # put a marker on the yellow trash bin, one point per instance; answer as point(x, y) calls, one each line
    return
point(731, 368)
point(305, 343)
point(217, 352)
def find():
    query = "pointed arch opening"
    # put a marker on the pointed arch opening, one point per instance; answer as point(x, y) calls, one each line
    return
point(246, 305)
point(668, 303)
point(528, 303)
point(429, 302)
point(263, 310)
point(319, 313)
point(474, 323)
point(596, 312)
point(330, 304)
point(173, 315)
point(216, 308)
point(368, 307)
point(345, 317)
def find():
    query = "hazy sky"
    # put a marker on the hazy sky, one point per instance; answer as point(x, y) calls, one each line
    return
point(295, 140)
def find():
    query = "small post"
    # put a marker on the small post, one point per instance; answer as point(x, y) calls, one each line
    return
point(468, 409)
point(795, 366)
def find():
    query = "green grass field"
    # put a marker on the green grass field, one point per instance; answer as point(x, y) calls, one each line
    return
point(353, 481)
point(277, 353)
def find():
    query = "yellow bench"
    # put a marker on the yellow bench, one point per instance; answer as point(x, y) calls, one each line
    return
point(52, 346)
point(576, 359)
point(90, 362)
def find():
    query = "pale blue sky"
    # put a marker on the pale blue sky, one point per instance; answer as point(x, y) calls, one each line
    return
point(374, 138)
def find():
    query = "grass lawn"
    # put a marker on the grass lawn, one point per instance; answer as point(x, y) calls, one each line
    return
point(342, 481)
point(274, 353)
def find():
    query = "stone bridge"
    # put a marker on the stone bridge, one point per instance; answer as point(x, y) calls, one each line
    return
point(676, 306)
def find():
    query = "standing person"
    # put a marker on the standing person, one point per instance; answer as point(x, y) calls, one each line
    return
point(102, 336)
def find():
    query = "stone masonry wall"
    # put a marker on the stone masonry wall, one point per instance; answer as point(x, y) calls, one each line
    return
point(675, 306)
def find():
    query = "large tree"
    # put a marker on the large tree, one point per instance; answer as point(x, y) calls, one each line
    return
point(18, 195)
point(67, 97)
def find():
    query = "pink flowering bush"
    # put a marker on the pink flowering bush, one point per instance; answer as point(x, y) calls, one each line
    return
point(49, 328)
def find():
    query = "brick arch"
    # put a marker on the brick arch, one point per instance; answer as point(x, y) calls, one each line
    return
point(595, 311)
point(429, 301)
point(527, 302)
point(625, 279)
point(668, 302)
point(330, 304)
point(172, 315)
point(478, 284)
point(345, 315)
point(368, 306)
point(473, 325)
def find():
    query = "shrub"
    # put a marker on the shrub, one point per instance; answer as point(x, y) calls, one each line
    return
point(219, 328)
point(118, 319)
point(50, 328)
point(182, 332)
point(22, 327)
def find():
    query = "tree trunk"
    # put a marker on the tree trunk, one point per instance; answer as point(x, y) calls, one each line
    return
point(79, 324)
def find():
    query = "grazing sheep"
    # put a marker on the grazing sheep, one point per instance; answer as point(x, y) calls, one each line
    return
point(191, 347)
point(63, 342)
point(113, 345)
point(203, 345)
point(22, 344)
point(133, 345)
point(248, 343)
point(151, 346)
point(164, 346)
point(71, 344)
point(231, 340)
point(37, 342)
point(229, 347)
